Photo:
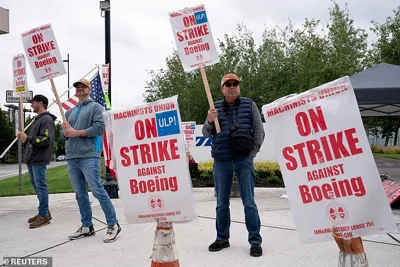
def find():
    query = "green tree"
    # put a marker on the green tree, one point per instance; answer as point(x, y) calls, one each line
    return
point(347, 44)
point(7, 135)
point(386, 49)
point(288, 60)
point(387, 46)
point(59, 144)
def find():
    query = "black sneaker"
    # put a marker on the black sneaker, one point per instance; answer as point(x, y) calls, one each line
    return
point(82, 232)
point(218, 245)
point(255, 250)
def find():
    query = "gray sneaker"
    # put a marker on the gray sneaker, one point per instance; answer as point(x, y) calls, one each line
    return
point(112, 232)
point(82, 232)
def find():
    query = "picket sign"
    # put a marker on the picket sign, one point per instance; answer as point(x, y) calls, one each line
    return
point(44, 57)
point(153, 172)
point(20, 84)
point(195, 43)
point(320, 142)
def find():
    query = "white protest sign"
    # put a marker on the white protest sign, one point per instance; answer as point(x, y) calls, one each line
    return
point(43, 53)
point(104, 77)
point(19, 73)
point(151, 163)
point(193, 38)
point(188, 133)
point(329, 171)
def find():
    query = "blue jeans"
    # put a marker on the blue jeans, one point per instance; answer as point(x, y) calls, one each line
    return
point(37, 173)
point(223, 178)
point(85, 171)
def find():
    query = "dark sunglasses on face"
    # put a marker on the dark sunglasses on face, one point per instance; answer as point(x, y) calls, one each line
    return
point(229, 84)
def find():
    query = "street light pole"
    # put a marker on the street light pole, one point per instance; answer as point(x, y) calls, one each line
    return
point(110, 185)
point(107, 19)
point(67, 60)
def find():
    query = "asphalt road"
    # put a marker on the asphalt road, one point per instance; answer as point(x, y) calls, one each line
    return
point(387, 166)
point(9, 170)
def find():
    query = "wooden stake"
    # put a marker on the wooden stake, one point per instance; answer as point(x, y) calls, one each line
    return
point(209, 96)
point(53, 86)
point(21, 112)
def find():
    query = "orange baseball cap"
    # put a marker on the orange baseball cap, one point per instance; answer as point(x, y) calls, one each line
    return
point(229, 77)
point(84, 82)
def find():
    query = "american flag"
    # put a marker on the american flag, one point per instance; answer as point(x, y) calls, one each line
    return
point(97, 95)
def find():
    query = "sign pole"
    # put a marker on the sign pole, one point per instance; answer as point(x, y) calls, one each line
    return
point(53, 87)
point(195, 52)
point(21, 113)
point(209, 96)
point(21, 128)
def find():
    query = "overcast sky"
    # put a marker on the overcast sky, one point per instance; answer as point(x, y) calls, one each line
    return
point(142, 36)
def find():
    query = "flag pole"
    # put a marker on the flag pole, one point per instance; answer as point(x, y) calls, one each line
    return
point(54, 101)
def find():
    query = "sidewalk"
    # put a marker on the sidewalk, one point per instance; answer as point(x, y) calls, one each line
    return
point(10, 170)
point(281, 244)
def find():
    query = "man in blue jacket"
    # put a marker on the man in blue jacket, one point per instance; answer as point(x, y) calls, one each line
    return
point(37, 155)
point(233, 150)
point(84, 134)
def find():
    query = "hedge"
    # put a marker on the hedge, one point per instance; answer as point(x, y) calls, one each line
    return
point(269, 172)
point(385, 150)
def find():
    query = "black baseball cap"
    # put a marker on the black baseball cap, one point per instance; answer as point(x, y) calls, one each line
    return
point(40, 98)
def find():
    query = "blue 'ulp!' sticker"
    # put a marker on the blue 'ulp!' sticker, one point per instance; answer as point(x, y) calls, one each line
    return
point(167, 123)
point(200, 17)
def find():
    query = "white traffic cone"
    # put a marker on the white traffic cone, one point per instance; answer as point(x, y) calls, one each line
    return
point(164, 249)
point(351, 253)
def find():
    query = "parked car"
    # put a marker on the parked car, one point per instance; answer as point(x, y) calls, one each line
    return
point(60, 158)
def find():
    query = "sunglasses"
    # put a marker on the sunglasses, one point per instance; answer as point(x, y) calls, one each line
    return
point(229, 84)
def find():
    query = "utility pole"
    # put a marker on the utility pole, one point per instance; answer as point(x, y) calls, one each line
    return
point(110, 185)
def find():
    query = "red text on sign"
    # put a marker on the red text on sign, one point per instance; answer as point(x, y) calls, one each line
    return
point(325, 172)
point(189, 21)
point(20, 83)
point(164, 107)
point(149, 153)
point(133, 113)
point(153, 185)
point(45, 62)
point(145, 129)
point(327, 148)
point(41, 48)
point(336, 189)
point(197, 48)
point(37, 38)
point(192, 33)
point(19, 72)
point(314, 119)
point(151, 170)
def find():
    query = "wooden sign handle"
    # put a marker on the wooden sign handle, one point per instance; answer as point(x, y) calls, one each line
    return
point(53, 86)
point(21, 113)
point(209, 96)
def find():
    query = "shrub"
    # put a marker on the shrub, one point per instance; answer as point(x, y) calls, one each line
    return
point(391, 150)
point(263, 170)
point(206, 169)
point(386, 150)
point(376, 149)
